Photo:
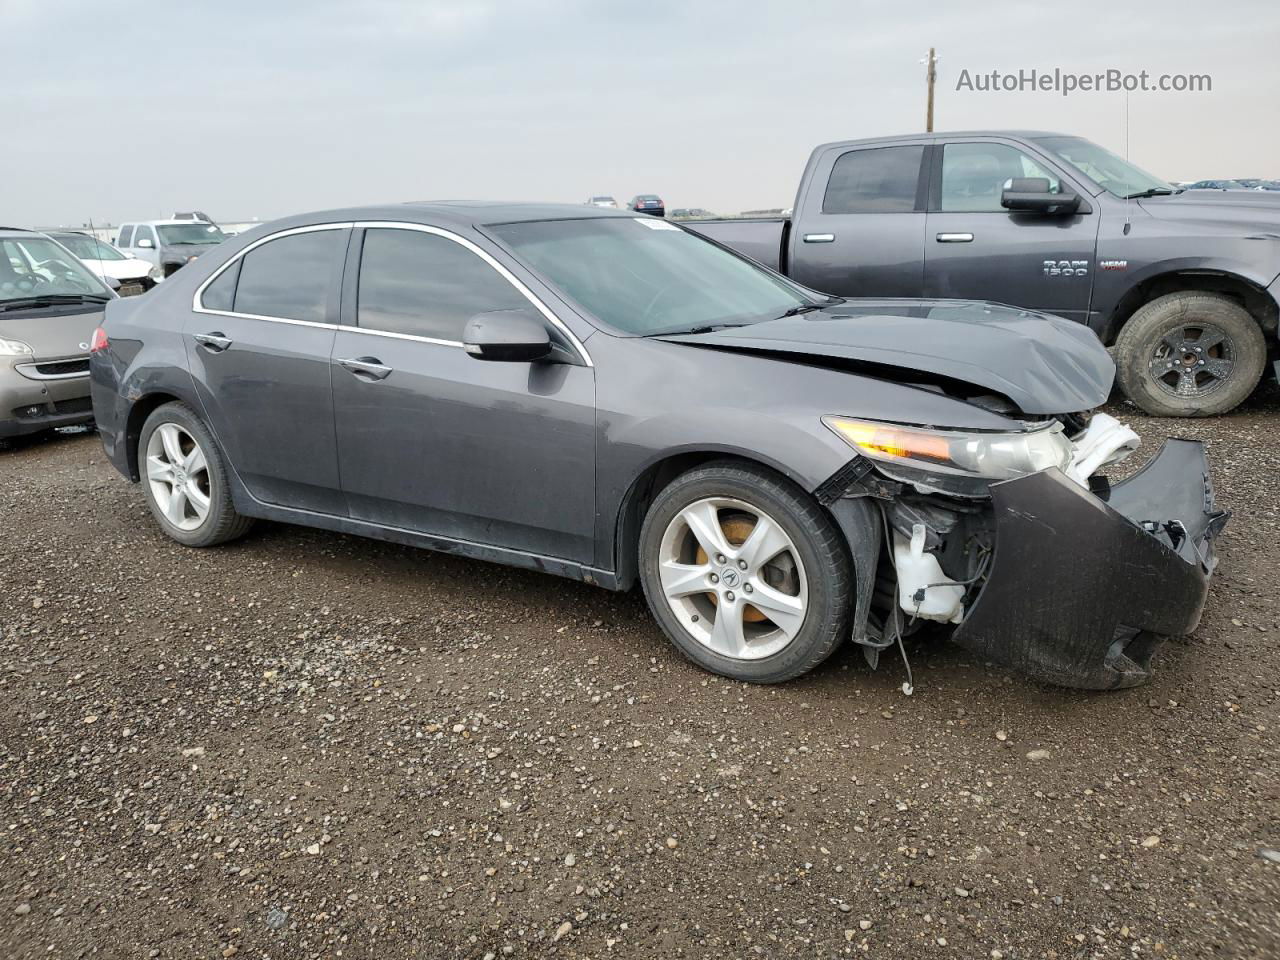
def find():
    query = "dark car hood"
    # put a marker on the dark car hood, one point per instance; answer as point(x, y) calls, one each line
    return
point(1248, 208)
point(1044, 364)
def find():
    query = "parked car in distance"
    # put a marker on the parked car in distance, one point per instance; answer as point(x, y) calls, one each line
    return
point(168, 245)
point(1174, 280)
point(50, 305)
point(612, 398)
point(107, 262)
point(602, 201)
point(648, 203)
point(1217, 185)
point(690, 213)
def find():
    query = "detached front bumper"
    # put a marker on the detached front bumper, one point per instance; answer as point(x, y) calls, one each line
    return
point(1081, 592)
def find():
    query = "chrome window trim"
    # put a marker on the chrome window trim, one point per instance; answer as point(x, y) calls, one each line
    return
point(198, 307)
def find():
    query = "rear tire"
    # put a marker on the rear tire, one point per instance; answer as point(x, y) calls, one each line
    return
point(1190, 355)
point(184, 479)
point(767, 553)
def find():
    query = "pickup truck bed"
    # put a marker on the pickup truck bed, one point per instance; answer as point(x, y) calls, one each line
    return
point(763, 240)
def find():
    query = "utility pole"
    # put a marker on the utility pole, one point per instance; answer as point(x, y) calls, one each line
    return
point(932, 74)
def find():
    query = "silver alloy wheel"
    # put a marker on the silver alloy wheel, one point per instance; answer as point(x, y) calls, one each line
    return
point(178, 475)
point(740, 596)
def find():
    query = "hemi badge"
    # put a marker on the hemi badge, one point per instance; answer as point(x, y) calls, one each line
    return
point(1113, 264)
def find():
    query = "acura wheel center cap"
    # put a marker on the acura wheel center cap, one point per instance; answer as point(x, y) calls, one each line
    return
point(729, 577)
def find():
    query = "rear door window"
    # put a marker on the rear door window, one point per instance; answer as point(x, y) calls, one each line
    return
point(290, 278)
point(426, 285)
point(875, 180)
point(126, 236)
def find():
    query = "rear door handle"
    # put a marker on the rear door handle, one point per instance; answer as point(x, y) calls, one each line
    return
point(215, 341)
point(366, 368)
point(955, 238)
point(819, 238)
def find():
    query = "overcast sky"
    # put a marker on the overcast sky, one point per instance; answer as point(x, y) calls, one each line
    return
point(259, 109)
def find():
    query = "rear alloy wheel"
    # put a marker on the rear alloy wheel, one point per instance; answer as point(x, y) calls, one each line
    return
point(1190, 355)
point(178, 476)
point(745, 573)
point(184, 479)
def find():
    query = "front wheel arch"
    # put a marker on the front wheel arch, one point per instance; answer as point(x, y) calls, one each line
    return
point(647, 485)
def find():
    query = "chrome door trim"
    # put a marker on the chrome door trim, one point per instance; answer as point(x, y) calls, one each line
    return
point(198, 307)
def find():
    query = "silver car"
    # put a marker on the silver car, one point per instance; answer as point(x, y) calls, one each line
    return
point(50, 305)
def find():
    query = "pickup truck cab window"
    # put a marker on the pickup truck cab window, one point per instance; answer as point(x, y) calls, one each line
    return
point(289, 278)
point(125, 238)
point(975, 174)
point(877, 180)
point(425, 285)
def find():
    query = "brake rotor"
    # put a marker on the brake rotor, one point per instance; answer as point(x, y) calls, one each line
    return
point(736, 529)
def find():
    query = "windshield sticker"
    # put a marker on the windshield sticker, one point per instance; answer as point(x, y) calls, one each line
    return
point(657, 223)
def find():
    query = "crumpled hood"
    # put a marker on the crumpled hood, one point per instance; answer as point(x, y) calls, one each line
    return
point(1043, 363)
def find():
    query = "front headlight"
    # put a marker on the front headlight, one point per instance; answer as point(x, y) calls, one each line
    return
point(14, 348)
point(961, 454)
point(156, 273)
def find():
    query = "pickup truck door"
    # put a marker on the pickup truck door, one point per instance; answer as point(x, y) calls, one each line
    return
point(977, 250)
point(859, 224)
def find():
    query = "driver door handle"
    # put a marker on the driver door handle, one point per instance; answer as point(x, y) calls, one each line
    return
point(215, 341)
point(955, 238)
point(819, 238)
point(366, 368)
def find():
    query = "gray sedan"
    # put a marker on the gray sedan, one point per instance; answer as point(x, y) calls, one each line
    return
point(612, 398)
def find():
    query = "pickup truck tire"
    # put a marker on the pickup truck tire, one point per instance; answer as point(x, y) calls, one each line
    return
point(705, 557)
point(1190, 354)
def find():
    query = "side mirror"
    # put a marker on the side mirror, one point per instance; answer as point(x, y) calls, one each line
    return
point(145, 242)
point(1031, 195)
point(507, 335)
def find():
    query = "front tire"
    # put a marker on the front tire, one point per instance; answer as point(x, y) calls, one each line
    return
point(184, 479)
point(1190, 355)
point(745, 572)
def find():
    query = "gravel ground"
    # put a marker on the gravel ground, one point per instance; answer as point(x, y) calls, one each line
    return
point(311, 745)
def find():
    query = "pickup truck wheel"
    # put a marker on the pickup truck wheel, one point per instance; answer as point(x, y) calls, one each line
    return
point(1190, 355)
point(745, 572)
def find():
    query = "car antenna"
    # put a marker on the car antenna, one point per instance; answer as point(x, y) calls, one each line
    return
point(1127, 201)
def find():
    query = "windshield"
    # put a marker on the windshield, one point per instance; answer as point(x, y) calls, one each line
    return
point(190, 233)
point(37, 267)
point(1114, 174)
point(645, 276)
point(87, 248)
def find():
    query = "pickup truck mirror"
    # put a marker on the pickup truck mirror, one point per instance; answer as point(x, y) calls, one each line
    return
point(145, 242)
point(1031, 195)
point(510, 335)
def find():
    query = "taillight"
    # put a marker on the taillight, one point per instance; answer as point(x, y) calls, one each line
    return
point(99, 341)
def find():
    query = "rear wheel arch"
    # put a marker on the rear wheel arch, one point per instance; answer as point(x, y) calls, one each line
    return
point(138, 413)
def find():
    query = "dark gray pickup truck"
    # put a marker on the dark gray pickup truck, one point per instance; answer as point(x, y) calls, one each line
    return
point(1184, 284)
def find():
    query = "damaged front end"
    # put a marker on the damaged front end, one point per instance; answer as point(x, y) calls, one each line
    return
point(1054, 572)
